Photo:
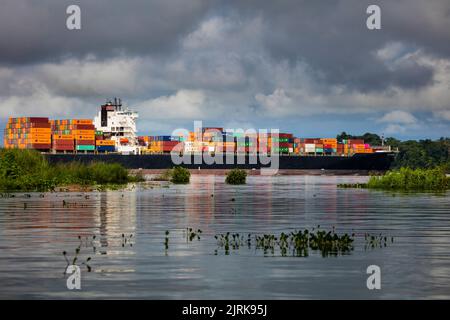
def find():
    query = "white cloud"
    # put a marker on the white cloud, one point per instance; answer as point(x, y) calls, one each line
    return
point(42, 103)
point(91, 77)
point(442, 114)
point(390, 51)
point(184, 104)
point(276, 103)
point(399, 117)
point(395, 129)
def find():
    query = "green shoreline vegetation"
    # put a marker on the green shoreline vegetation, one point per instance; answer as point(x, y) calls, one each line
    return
point(28, 170)
point(407, 179)
point(419, 165)
point(411, 180)
point(413, 154)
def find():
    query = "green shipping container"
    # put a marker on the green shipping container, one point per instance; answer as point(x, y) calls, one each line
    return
point(282, 149)
point(85, 148)
point(319, 150)
point(245, 144)
point(281, 139)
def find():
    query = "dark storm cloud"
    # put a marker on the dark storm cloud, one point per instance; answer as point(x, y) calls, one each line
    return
point(332, 37)
point(329, 36)
point(32, 31)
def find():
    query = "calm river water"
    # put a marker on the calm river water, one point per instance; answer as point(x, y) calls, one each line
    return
point(35, 229)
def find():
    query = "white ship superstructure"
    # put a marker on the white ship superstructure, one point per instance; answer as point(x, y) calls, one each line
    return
point(120, 125)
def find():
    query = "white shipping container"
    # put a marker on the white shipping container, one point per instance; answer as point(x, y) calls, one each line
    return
point(310, 147)
point(189, 147)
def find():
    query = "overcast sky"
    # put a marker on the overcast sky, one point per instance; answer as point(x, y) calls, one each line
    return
point(308, 67)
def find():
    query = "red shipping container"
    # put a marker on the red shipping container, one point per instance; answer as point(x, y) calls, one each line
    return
point(311, 140)
point(84, 127)
point(64, 148)
point(285, 135)
point(355, 141)
point(285, 145)
point(37, 125)
point(63, 142)
point(212, 129)
point(41, 146)
point(85, 142)
point(170, 143)
point(37, 119)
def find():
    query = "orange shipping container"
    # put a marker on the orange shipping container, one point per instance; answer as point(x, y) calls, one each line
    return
point(63, 137)
point(85, 137)
point(105, 143)
point(84, 132)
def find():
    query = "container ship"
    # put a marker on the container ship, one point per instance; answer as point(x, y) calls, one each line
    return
point(112, 137)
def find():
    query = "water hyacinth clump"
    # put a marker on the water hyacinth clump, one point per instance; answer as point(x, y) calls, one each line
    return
point(411, 180)
point(376, 241)
point(296, 243)
point(180, 175)
point(236, 176)
point(191, 234)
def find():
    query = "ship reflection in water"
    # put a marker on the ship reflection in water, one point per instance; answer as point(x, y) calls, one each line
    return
point(124, 233)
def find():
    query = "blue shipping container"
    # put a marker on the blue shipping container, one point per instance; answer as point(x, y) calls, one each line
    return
point(164, 138)
point(106, 148)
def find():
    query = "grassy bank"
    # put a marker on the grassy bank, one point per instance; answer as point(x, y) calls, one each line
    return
point(411, 180)
point(28, 170)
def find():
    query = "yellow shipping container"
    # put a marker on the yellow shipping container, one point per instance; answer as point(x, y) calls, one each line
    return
point(105, 143)
point(45, 141)
point(84, 132)
point(82, 121)
point(329, 140)
point(63, 137)
point(39, 136)
point(39, 130)
point(85, 137)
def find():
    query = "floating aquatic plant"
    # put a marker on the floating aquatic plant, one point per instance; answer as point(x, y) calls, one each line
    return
point(377, 241)
point(75, 259)
point(191, 234)
point(127, 239)
point(297, 243)
point(166, 240)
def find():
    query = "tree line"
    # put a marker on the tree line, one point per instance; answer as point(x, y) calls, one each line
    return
point(425, 153)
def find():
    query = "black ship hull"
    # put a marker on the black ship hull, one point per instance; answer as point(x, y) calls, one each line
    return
point(367, 162)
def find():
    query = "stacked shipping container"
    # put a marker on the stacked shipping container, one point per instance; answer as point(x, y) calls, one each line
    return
point(80, 131)
point(163, 144)
point(28, 133)
point(73, 135)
